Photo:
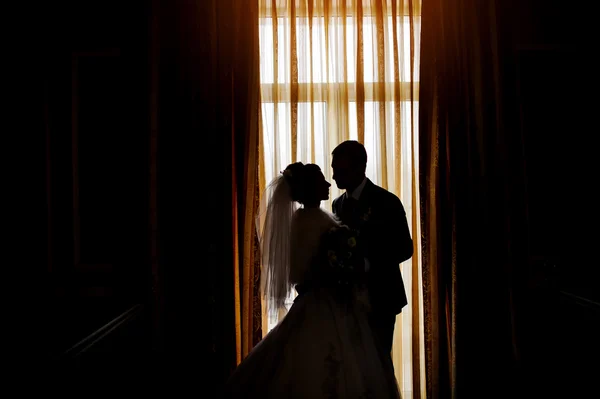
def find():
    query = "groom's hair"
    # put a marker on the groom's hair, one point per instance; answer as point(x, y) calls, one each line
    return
point(353, 151)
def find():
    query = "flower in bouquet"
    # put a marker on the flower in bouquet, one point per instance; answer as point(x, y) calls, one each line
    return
point(344, 262)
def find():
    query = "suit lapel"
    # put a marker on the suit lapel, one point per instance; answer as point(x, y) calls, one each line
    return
point(364, 199)
point(362, 205)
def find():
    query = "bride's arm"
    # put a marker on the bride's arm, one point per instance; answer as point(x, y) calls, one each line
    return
point(301, 249)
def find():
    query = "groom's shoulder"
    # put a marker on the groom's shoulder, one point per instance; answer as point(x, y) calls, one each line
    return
point(380, 191)
point(383, 194)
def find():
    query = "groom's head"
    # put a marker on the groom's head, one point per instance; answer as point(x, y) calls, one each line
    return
point(349, 164)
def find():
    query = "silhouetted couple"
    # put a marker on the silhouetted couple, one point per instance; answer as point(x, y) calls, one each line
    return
point(336, 339)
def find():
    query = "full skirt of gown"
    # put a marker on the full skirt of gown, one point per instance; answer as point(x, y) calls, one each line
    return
point(323, 348)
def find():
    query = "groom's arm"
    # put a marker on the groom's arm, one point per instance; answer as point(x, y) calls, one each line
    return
point(401, 244)
point(391, 241)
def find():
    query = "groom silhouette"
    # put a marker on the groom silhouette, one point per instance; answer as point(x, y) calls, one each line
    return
point(379, 217)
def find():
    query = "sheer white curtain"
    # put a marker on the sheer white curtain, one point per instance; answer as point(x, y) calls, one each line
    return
point(333, 70)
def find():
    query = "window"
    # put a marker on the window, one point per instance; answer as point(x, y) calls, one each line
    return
point(315, 90)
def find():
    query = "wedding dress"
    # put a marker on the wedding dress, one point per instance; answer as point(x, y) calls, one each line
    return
point(323, 348)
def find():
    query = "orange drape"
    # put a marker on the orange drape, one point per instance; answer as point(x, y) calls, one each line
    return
point(468, 245)
point(245, 137)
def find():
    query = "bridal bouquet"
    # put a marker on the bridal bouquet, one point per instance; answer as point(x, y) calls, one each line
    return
point(345, 261)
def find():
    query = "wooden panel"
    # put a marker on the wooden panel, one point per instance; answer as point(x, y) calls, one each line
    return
point(108, 163)
point(97, 184)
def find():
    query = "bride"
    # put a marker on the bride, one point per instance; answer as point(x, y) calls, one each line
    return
point(323, 348)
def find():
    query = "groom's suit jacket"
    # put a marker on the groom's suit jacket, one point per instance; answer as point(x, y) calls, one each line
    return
point(380, 218)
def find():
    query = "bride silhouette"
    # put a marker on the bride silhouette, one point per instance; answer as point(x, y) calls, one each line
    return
point(323, 348)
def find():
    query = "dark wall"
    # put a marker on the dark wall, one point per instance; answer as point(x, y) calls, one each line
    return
point(554, 75)
point(137, 151)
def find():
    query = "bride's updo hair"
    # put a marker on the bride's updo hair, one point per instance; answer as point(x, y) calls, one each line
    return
point(301, 178)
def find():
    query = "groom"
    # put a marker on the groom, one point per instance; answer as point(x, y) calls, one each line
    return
point(379, 217)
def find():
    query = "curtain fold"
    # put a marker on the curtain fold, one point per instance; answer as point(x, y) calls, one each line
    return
point(333, 70)
point(468, 202)
point(245, 94)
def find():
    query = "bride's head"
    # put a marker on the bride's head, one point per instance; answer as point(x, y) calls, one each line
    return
point(307, 183)
point(298, 183)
